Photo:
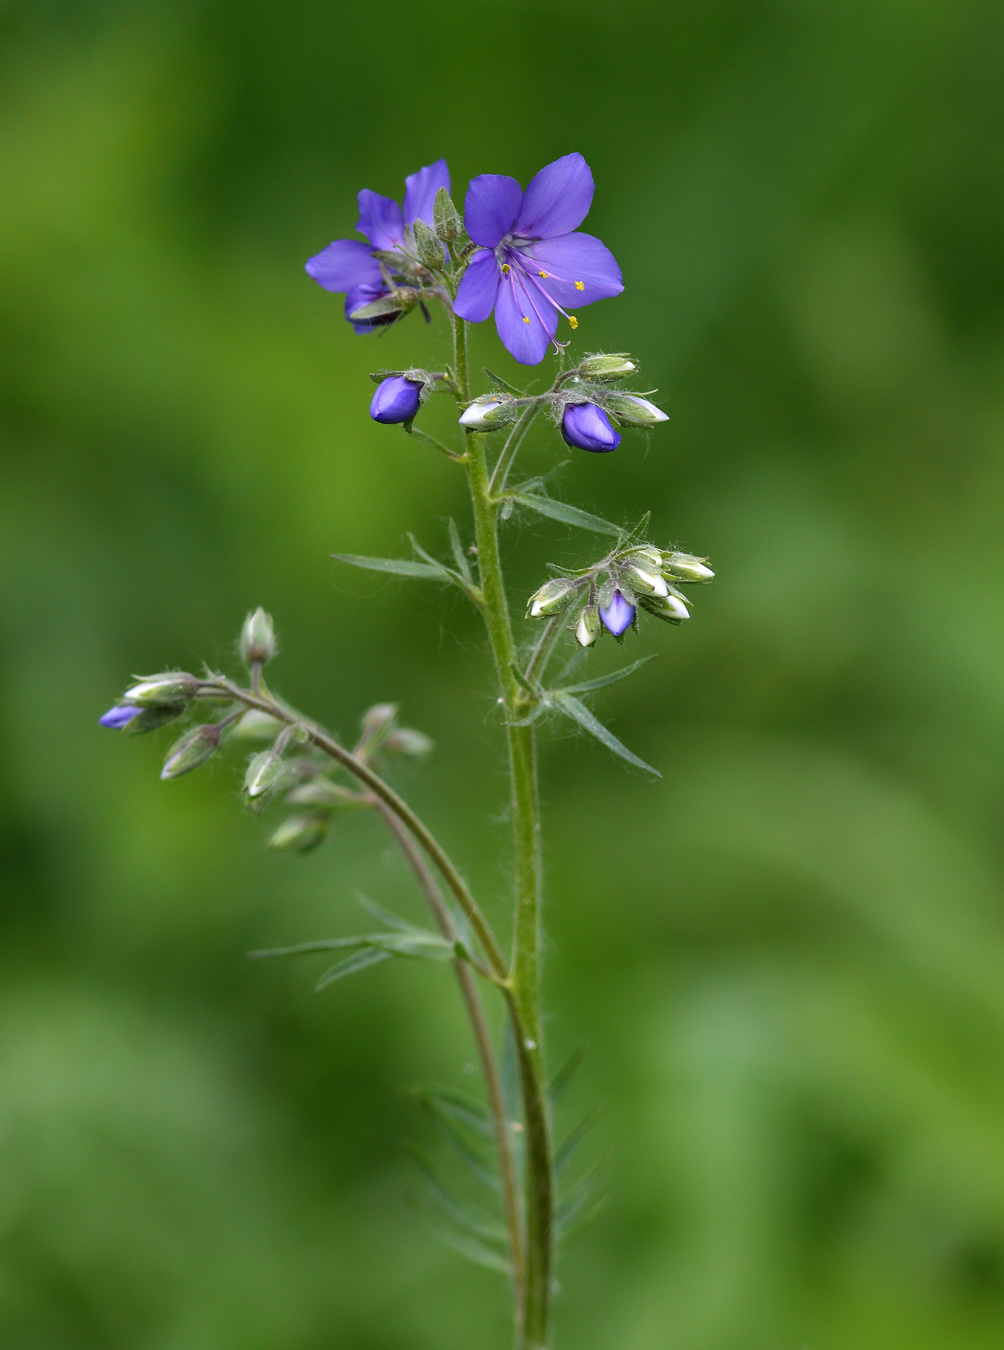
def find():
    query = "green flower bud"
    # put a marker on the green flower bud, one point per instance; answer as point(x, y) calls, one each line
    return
point(378, 719)
point(427, 246)
point(634, 410)
point(258, 638)
point(192, 750)
point(489, 412)
point(446, 217)
point(325, 795)
point(257, 726)
point(607, 366)
point(159, 691)
point(406, 741)
point(645, 553)
point(685, 567)
point(554, 597)
point(668, 607)
point(299, 834)
point(265, 773)
point(151, 719)
point(400, 301)
point(645, 582)
point(588, 628)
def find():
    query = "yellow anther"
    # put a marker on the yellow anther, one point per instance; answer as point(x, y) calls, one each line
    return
point(505, 267)
point(525, 319)
point(542, 274)
point(573, 321)
point(580, 285)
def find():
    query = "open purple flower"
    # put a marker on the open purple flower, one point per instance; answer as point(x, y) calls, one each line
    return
point(120, 716)
point(532, 262)
point(587, 427)
point(618, 616)
point(348, 266)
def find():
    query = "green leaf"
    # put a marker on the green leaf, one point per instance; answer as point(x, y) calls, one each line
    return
point(497, 379)
point(578, 712)
point(532, 484)
point(426, 557)
point(570, 1144)
point(385, 915)
point(401, 567)
point(431, 440)
point(578, 1198)
point(603, 680)
point(568, 515)
point(369, 956)
point(463, 564)
point(467, 1135)
point(414, 942)
point(461, 1106)
point(566, 1073)
point(470, 1247)
point(468, 1217)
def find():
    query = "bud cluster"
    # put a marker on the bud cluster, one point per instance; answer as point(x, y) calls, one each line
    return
point(583, 404)
point(614, 589)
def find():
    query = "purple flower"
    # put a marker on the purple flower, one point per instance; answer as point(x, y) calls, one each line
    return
point(348, 266)
point(120, 716)
point(618, 615)
point(587, 427)
point(532, 261)
point(396, 400)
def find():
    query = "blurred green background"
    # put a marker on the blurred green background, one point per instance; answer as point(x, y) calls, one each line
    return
point(787, 958)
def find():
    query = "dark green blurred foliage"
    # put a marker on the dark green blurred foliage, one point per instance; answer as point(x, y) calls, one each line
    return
point(786, 958)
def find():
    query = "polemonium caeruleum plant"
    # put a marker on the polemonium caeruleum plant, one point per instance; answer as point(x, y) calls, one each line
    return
point(520, 256)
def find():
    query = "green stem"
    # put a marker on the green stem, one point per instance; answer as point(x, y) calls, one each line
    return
point(523, 988)
point(482, 1039)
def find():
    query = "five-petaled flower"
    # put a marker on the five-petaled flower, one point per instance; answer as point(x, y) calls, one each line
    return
point(348, 266)
point(532, 263)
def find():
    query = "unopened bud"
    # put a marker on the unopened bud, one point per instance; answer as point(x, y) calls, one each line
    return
point(152, 719)
point(554, 597)
point(325, 795)
point(588, 628)
point(407, 741)
point(258, 638)
point(446, 217)
point(378, 719)
point(646, 582)
point(635, 410)
point(299, 834)
point(607, 366)
point(489, 412)
point(685, 567)
point(668, 607)
point(192, 750)
point(264, 774)
point(427, 246)
point(158, 691)
point(645, 553)
point(257, 726)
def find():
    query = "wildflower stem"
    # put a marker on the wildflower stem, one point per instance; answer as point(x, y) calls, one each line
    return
point(544, 648)
point(522, 990)
point(483, 1039)
point(511, 448)
point(318, 737)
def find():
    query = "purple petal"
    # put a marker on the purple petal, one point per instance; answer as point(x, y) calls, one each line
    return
point(478, 287)
point(365, 295)
point(380, 220)
point(120, 716)
point(579, 269)
point(587, 427)
point(421, 189)
point(557, 200)
point(396, 400)
point(525, 322)
point(342, 265)
point(491, 207)
point(618, 615)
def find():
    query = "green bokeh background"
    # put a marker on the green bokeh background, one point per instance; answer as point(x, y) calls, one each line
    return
point(787, 957)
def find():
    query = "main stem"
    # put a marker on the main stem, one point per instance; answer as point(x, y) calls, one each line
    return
point(523, 986)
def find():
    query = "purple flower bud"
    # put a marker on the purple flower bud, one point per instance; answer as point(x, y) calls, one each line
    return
point(119, 716)
point(396, 400)
point(587, 427)
point(618, 615)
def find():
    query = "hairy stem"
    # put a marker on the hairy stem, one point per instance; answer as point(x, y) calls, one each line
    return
point(482, 1037)
point(318, 737)
point(523, 987)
